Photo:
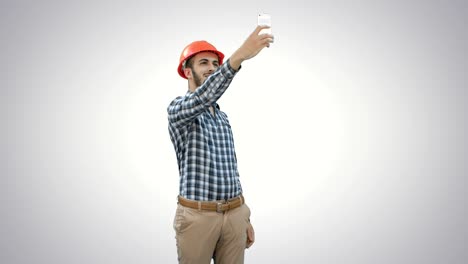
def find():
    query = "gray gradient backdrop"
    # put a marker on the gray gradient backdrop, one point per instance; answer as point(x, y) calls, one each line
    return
point(350, 130)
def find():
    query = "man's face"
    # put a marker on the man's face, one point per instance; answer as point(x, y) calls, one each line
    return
point(203, 65)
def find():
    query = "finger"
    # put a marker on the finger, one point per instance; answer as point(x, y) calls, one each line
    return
point(249, 243)
point(266, 43)
point(251, 236)
point(267, 37)
point(264, 36)
point(259, 28)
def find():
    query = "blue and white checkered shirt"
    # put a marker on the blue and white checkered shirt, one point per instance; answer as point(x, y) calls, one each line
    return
point(204, 143)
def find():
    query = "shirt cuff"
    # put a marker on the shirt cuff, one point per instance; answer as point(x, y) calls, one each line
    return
point(228, 71)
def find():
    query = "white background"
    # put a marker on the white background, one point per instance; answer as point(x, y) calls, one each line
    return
point(350, 130)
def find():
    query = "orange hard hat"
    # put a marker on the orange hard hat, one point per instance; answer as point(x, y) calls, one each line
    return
point(192, 49)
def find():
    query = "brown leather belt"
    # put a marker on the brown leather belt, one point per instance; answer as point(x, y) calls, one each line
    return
point(218, 206)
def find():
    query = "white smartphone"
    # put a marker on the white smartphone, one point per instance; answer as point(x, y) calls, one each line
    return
point(264, 20)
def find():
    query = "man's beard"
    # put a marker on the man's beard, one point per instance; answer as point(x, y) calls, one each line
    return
point(197, 78)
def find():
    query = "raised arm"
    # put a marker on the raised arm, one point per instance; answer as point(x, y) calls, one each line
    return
point(184, 109)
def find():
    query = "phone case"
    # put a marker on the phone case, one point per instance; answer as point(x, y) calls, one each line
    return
point(264, 19)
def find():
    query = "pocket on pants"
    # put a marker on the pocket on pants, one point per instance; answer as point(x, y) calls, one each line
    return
point(182, 219)
point(178, 218)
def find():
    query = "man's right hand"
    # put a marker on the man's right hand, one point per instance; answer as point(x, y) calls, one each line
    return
point(251, 47)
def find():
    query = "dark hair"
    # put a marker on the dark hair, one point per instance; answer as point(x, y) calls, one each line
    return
point(189, 63)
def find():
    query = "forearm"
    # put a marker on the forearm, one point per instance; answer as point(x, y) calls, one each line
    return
point(216, 84)
point(236, 60)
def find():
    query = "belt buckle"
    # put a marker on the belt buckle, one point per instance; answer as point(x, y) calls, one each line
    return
point(218, 207)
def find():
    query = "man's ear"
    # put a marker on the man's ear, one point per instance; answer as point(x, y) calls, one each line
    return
point(188, 73)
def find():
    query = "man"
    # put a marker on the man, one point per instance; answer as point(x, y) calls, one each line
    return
point(212, 219)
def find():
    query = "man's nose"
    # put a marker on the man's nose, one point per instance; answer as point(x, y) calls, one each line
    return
point(212, 68)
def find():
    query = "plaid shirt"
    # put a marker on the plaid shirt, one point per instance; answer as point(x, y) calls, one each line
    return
point(204, 143)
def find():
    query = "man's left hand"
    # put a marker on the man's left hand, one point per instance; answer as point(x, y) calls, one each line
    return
point(250, 236)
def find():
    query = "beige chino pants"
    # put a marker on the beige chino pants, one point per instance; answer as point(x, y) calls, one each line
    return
point(203, 235)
